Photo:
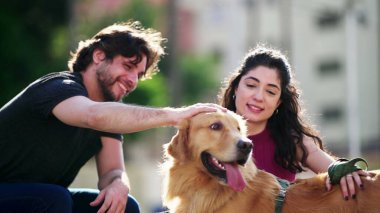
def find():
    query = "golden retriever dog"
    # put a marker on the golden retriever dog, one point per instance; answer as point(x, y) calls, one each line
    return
point(208, 168)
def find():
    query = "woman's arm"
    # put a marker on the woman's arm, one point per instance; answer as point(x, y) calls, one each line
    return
point(318, 161)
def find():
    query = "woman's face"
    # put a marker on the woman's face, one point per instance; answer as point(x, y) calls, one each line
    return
point(258, 93)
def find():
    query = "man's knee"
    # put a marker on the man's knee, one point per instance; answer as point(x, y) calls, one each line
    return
point(132, 205)
point(61, 194)
point(35, 197)
point(57, 198)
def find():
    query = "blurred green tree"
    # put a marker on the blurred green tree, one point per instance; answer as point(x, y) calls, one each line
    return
point(199, 81)
point(32, 32)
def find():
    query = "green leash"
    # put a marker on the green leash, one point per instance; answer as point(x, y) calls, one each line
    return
point(342, 167)
point(281, 195)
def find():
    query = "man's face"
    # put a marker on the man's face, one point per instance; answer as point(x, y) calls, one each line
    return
point(119, 77)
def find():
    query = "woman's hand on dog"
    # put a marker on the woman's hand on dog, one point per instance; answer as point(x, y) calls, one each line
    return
point(347, 183)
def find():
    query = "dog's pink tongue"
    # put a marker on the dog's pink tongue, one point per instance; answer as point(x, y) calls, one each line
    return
point(234, 178)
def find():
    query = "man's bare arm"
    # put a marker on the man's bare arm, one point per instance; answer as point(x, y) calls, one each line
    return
point(123, 118)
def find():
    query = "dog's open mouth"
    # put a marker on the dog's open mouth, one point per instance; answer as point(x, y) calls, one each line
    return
point(225, 171)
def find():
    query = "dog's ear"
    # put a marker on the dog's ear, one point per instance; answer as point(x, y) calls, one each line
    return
point(178, 146)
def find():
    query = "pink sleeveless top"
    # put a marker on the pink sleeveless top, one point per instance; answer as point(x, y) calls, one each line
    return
point(263, 155)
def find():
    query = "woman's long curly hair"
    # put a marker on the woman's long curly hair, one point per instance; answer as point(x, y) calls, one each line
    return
point(287, 126)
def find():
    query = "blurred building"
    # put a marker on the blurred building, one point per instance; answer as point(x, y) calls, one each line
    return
point(333, 47)
point(335, 53)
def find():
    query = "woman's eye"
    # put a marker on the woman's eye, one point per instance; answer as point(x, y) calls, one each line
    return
point(216, 126)
point(251, 85)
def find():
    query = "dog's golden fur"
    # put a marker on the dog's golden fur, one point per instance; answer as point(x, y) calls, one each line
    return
point(189, 187)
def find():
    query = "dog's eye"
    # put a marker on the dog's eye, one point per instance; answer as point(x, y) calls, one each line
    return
point(216, 126)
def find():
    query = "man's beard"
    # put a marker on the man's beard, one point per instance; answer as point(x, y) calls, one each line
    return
point(107, 93)
point(105, 81)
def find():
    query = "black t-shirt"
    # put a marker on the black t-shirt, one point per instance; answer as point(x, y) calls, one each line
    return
point(34, 145)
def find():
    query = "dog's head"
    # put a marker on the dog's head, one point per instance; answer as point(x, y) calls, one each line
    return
point(214, 143)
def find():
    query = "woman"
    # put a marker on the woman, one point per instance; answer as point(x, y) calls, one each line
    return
point(263, 91)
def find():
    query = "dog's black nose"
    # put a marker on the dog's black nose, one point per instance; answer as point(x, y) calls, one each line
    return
point(244, 146)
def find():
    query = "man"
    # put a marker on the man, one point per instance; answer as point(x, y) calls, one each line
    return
point(55, 125)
